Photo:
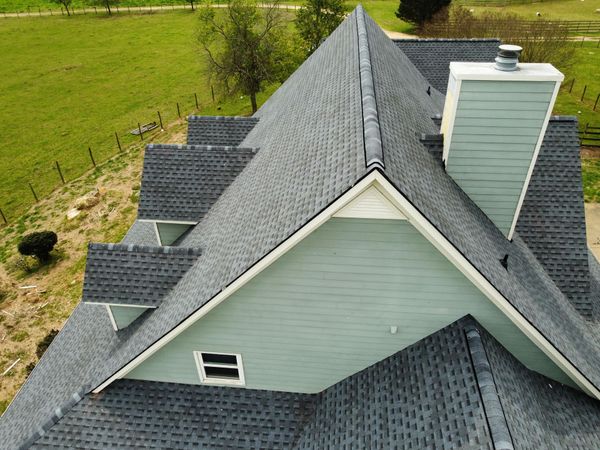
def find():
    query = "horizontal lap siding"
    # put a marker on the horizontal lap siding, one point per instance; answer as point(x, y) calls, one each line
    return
point(170, 232)
point(324, 310)
point(124, 315)
point(495, 132)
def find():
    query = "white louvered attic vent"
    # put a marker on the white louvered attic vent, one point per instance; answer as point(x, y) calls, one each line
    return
point(370, 204)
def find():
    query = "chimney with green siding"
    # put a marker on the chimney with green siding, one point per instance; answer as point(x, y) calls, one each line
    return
point(494, 121)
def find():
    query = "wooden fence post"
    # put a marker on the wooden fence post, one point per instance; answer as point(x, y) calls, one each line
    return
point(91, 156)
point(118, 142)
point(212, 92)
point(60, 172)
point(571, 87)
point(3, 217)
point(178, 111)
point(596, 102)
point(140, 130)
point(160, 121)
point(583, 93)
point(196, 98)
point(33, 192)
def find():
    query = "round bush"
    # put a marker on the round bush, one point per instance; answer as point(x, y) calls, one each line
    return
point(38, 244)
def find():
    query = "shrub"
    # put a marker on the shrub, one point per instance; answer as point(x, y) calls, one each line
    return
point(45, 343)
point(29, 368)
point(418, 12)
point(38, 244)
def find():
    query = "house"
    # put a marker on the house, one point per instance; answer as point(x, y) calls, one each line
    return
point(390, 253)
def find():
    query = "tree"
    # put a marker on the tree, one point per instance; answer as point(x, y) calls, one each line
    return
point(246, 47)
point(418, 12)
point(316, 19)
point(542, 40)
point(65, 3)
point(191, 2)
point(106, 4)
point(38, 244)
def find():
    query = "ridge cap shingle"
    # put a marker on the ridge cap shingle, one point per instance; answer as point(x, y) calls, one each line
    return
point(372, 133)
point(492, 406)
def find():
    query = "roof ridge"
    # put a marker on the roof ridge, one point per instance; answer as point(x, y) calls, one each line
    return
point(199, 147)
point(372, 133)
point(252, 119)
point(145, 248)
point(492, 406)
point(446, 40)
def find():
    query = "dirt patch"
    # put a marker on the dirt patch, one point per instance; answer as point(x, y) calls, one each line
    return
point(590, 152)
point(36, 299)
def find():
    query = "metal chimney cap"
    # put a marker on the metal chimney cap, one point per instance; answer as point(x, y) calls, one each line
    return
point(508, 57)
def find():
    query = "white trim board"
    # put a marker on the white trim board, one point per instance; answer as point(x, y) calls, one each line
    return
point(414, 216)
point(113, 322)
point(121, 304)
point(176, 222)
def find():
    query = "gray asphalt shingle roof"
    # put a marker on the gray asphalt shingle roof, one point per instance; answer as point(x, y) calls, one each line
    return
point(223, 131)
point(457, 388)
point(182, 182)
point(133, 274)
point(433, 56)
point(426, 384)
point(552, 220)
point(312, 150)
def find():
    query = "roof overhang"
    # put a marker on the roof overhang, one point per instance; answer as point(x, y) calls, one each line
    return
point(376, 179)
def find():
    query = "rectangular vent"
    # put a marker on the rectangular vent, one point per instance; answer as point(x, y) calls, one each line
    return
point(220, 368)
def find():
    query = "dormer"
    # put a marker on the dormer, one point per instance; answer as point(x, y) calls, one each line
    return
point(494, 121)
point(132, 279)
point(180, 183)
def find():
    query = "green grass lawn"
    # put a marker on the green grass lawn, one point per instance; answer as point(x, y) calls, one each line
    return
point(70, 83)
point(585, 71)
point(552, 9)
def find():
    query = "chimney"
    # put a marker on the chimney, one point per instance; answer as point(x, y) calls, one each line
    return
point(494, 121)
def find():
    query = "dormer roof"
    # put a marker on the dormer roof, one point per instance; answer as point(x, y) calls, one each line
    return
point(134, 275)
point(182, 182)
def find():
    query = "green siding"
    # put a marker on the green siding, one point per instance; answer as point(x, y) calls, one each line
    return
point(496, 128)
point(170, 232)
point(323, 311)
point(124, 315)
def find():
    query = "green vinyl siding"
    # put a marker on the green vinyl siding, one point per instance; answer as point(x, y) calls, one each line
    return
point(495, 133)
point(170, 232)
point(124, 315)
point(323, 311)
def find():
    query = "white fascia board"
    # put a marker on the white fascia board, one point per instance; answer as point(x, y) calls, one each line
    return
point(176, 222)
point(121, 304)
point(536, 152)
point(431, 233)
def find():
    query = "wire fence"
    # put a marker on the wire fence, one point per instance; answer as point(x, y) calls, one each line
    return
point(43, 183)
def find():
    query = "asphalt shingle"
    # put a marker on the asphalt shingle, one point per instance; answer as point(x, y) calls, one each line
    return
point(182, 182)
point(552, 219)
point(221, 131)
point(433, 56)
point(133, 274)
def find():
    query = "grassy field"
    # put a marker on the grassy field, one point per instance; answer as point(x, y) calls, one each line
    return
point(585, 72)
point(553, 9)
point(70, 83)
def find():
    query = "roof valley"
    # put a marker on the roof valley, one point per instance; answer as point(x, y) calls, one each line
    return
point(372, 133)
